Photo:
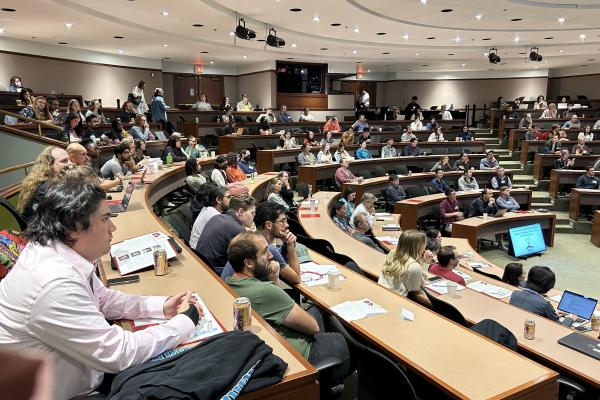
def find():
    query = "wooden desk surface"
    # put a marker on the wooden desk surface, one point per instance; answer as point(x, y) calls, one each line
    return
point(582, 197)
point(595, 238)
point(188, 272)
point(544, 347)
point(543, 162)
point(560, 177)
point(448, 366)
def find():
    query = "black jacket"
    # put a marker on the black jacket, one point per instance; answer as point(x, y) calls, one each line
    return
point(208, 371)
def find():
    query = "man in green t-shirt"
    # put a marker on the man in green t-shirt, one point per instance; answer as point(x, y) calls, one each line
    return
point(254, 278)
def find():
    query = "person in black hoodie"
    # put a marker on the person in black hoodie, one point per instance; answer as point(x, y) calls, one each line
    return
point(173, 147)
point(412, 108)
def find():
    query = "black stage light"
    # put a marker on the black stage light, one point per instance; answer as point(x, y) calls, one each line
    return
point(244, 33)
point(273, 40)
point(535, 55)
point(493, 56)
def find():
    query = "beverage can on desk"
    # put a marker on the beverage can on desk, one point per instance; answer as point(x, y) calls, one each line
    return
point(242, 317)
point(595, 322)
point(161, 264)
point(529, 330)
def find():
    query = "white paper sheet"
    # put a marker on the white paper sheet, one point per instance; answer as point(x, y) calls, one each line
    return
point(313, 274)
point(359, 309)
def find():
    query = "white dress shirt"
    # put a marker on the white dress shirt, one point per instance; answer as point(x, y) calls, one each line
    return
point(362, 209)
point(53, 303)
point(201, 220)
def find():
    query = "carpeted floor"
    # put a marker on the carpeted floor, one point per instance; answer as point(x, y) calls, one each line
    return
point(574, 260)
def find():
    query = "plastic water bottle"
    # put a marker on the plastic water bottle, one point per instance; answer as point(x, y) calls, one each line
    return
point(169, 160)
point(310, 191)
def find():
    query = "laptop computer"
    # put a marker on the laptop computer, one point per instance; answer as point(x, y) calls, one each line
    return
point(122, 207)
point(581, 343)
point(500, 212)
point(577, 304)
point(160, 135)
point(523, 106)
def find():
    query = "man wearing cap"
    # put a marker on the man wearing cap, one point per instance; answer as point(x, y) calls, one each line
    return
point(489, 162)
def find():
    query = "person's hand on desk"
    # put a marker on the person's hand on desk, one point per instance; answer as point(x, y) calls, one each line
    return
point(180, 303)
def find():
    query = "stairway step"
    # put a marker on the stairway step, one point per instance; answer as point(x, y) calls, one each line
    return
point(541, 205)
point(563, 228)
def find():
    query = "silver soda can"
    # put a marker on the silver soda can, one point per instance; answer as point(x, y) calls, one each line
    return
point(161, 264)
point(242, 314)
point(529, 329)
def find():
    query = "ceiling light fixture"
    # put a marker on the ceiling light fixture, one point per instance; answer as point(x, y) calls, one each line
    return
point(244, 56)
point(493, 56)
point(424, 2)
point(274, 41)
point(516, 39)
point(464, 65)
point(535, 55)
point(120, 51)
point(231, 33)
point(354, 51)
point(68, 25)
point(316, 18)
point(294, 45)
point(582, 36)
point(356, 29)
point(561, 20)
point(561, 51)
point(211, 62)
point(165, 45)
point(244, 33)
point(406, 36)
point(457, 39)
point(479, 16)
point(164, 13)
point(1, 30)
point(417, 54)
point(368, 70)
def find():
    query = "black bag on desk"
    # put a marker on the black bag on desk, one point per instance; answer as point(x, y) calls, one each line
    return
point(225, 364)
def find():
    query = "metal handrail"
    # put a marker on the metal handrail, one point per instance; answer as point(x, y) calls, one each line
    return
point(13, 168)
point(33, 121)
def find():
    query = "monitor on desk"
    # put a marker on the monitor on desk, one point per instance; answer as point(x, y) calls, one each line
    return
point(526, 240)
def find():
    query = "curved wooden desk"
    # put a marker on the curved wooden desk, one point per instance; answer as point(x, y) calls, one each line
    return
point(582, 197)
point(413, 209)
point(566, 177)
point(473, 305)
point(433, 347)
point(476, 228)
point(544, 162)
point(595, 238)
point(188, 272)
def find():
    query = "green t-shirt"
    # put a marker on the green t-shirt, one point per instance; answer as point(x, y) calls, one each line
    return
point(274, 305)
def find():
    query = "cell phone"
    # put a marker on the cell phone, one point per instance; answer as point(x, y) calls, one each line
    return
point(434, 278)
point(584, 328)
point(124, 280)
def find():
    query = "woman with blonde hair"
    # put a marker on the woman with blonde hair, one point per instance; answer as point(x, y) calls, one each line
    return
point(274, 192)
point(551, 112)
point(75, 107)
point(41, 111)
point(48, 164)
point(403, 269)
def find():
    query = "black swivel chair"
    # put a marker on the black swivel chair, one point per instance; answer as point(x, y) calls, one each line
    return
point(378, 376)
point(179, 225)
point(378, 170)
point(415, 191)
point(445, 309)
point(5, 204)
point(401, 169)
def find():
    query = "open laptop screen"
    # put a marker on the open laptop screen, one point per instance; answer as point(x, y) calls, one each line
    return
point(127, 195)
point(574, 303)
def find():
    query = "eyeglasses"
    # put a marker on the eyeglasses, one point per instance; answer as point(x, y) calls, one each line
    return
point(283, 221)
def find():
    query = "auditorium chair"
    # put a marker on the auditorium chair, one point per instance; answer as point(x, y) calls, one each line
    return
point(415, 191)
point(7, 205)
point(439, 150)
point(445, 309)
point(401, 170)
point(378, 377)
point(378, 170)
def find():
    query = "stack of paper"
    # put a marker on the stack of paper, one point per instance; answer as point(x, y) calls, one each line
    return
point(314, 274)
point(489, 289)
point(353, 310)
point(441, 287)
point(384, 216)
point(466, 277)
point(207, 326)
point(389, 240)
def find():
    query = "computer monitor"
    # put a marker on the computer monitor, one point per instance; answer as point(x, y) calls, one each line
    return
point(575, 303)
point(526, 240)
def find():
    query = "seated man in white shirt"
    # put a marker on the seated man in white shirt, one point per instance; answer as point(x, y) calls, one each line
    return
point(53, 303)
point(367, 207)
point(216, 201)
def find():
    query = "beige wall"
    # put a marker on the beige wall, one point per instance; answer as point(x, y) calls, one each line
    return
point(260, 87)
point(230, 84)
point(69, 77)
point(460, 91)
point(588, 85)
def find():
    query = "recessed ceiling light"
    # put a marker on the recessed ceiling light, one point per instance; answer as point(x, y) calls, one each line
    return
point(165, 58)
point(546, 61)
point(8, 9)
point(450, 54)
point(118, 37)
point(549, 38)
point(165, 45)
point(416, 54)
point(561, 20)
point(388, 65)
point(323, 48)
point(322, 61)
point(423, 2)
point(244, 56)
point(356, 29)
point(2, 31)
point(487, 38)
point(231, 33)
point(204, 52)
point(68, 25)
point(164, 13)
point(582, 36)
point(294, 45)
point(63, 43)
point(516, 39)
point(516, 19)
point(424, 65)
point(335, 24)
point(381, 33)
point(561, 51)
point(431, 38)
point(386, 52)
point(359, 62)
point(464, 65)
point(289, 58)
point(316, 18)
point(354, 51)
point(405, 36)
point(522, 53)
point(295, 9)
point(479, 16)
point(211, 62)
point(447, 10)
point(370, 70)
point(536, 67)
point(198, 25)
point(457, 39)
point(486, 54)
point(120, 51)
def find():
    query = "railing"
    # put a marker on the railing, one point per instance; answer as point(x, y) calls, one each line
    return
point(39, 124)
point(15, 188)
point(14, 168)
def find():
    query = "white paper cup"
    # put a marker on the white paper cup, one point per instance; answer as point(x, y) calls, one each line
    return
point(451, 288)
point(212, 153)
point(485, 216)
point(333, 278)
